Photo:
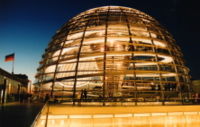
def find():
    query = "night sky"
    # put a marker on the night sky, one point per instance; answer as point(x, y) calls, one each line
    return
point(26, 27)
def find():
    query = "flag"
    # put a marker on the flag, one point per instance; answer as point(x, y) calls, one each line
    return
point(10, 57)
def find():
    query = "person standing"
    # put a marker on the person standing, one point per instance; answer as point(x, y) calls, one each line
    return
point(46, 98)
point(85, 93)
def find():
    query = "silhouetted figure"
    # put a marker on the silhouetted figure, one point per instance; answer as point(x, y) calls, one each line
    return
point(55, 100)
point(82, 94)
point(21, 97)
point(46, 98)
point(100, 98)
point(29, 98)
point(152, 87)
point(85, 93)
point(25, 97)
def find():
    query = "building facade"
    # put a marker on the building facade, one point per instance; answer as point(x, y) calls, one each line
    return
point(11, 86)
point(115, 53)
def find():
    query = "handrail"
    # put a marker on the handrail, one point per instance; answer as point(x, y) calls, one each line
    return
point(47, 114)
point(38, 115)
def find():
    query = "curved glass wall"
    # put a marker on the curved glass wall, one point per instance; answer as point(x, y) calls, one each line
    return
point(114, 53)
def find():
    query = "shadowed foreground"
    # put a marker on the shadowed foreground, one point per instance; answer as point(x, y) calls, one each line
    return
point(18, 115)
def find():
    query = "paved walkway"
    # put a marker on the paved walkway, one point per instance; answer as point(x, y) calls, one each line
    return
point(18, 115)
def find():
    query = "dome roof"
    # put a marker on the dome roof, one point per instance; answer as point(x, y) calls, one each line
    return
point(114, 52)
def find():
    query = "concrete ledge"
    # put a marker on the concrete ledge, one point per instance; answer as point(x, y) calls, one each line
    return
point(126, 116)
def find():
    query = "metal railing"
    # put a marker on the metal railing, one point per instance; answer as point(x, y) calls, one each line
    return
point(36, 120)
point(81, 102)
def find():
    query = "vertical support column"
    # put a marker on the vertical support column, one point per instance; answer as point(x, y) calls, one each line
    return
point(177, 75)
point(158, 67)
point(104, 61)
point(132, 49)
point(4, 91)
point(160, 75)
point(18, 92)
point(77, 63)
point(189, 82)
point(41, 80)
point(59, 56)
point(56, 68)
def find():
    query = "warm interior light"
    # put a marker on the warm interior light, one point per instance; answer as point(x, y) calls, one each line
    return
point(115, 52)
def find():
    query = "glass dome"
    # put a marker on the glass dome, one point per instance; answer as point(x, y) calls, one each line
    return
point(114, 53)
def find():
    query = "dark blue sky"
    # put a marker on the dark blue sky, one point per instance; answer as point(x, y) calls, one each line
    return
point(26, 26)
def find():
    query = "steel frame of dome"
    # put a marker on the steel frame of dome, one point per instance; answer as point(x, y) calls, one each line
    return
point(115, 53)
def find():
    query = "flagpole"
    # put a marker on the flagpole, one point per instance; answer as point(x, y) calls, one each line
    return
point(13, 63)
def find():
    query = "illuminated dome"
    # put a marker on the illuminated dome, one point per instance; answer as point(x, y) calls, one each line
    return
point(115, 53)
